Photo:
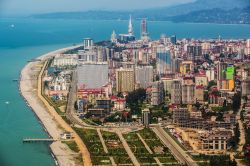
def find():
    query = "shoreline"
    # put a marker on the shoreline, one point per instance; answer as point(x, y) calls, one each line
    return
point(42, 116)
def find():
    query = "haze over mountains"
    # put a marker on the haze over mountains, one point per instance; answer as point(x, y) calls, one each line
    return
point(209, 11)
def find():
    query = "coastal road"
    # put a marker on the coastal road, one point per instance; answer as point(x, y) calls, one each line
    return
point(177, 151)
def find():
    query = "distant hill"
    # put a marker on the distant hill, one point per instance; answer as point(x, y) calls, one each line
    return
point(232, 16)
point(199, 11)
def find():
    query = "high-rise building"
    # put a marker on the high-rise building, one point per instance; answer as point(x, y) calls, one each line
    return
point(247, 49)
point(144, 30)
point(245, 87)
point(163, 60)
point(144, 76)
point(157, 93)
point(194, 52)
point(101, 54)
point(180, 114)
point(173, 39)
point(188, 94)
point(176, 92)
point(125, 80)
point(130, 27)
point(88, 43)
point(146, 116)
point(221, 71)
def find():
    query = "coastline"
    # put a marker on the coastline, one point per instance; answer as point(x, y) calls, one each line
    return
point(61, 154)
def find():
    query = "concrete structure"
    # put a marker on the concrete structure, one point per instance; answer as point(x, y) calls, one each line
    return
point(188, 94)
point(125, 80)
point(92, 75)
point(62, 60)
point(180, 114)
point(245, 87)
point(144, 76)
point(146, 116)
point(88, 43)
point(144, 30)
point(163, 60)
point(215, 139)
point(157, 93)
point(176, 92)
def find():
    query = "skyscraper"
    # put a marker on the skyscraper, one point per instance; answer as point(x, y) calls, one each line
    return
point(130, 27)
point(144, 30)
point(163, 60)
point(113, 37)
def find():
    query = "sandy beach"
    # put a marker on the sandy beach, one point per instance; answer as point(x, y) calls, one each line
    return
point(51, 121)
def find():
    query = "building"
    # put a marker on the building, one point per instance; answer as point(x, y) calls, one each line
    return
point(217, 139)
point(125, 38)
point(101, 54)
point(194, 52)
point(199, 94)
point(186, 67)
point(157, 93)
point(180, 114)
point(173, 39)
point(144, 30)
point(176, 91)
point(245, 87)
point(88, 43)
point(188, 94)
point(125, 80)
point(247, 49)
point(92, 75)
point(163, 60)
point(146, 117)
point(144, 76)
point(113, 38)
point(65, 60)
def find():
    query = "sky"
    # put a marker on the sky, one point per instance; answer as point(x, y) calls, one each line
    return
point(27, 7)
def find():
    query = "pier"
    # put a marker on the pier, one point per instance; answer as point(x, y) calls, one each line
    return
point(30, 140)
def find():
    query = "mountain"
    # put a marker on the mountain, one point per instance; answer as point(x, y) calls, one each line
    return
point(201, 8)
point(232, 16)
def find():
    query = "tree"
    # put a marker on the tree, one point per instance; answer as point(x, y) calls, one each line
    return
point(236, 102)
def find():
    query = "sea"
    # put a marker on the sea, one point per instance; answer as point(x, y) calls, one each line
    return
point(22, 39)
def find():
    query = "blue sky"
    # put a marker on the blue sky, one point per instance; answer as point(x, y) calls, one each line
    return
point(25, 7)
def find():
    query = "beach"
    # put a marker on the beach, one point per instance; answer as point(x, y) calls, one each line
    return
point(53, 124)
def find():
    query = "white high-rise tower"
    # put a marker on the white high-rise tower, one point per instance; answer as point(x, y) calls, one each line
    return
point(130, 27)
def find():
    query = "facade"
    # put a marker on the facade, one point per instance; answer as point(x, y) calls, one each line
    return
point(176, 92)
point(144, 76)
point(199, 94)
point(92, 75)
point(146, 117)
point(245, 87)
point(215, 139)
point(88, 43)
point(163, 60)
point(157, 93)
point(188, 94)
point(144, 30)
point(180, 114)
point(125, 80)
point(65, 60)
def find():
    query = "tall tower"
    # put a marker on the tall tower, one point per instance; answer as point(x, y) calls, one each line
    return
point(144, 30)
point(130, 27)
